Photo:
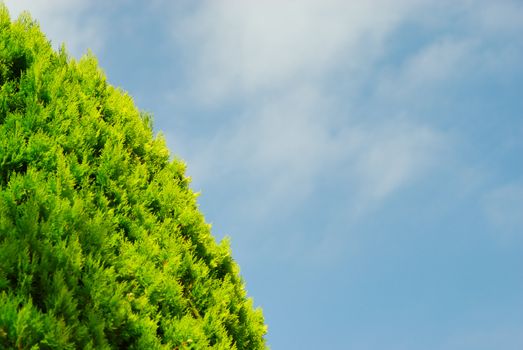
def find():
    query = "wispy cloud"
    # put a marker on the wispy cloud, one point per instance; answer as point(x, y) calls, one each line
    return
point(287, 149)
point(327, 103)
point(281, 57)
point(251, 46)
point(436, 64)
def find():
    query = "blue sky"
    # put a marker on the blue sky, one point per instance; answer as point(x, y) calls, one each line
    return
point(364, 157)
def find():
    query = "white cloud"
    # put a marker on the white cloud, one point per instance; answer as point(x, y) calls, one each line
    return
point(476, 38)
point(64, 21)
point(392, 155)
point(286, 149)
point(248, 46)
point(279, 146)
point(437, 64)
point(276, 58)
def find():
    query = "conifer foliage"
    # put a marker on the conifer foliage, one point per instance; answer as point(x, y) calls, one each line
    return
point(102, 245)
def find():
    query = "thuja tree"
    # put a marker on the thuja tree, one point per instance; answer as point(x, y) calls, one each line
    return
point(102, 245)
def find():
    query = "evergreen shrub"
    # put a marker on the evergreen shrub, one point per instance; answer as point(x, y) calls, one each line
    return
point(102, 245)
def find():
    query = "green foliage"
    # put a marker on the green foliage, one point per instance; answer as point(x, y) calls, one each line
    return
point(102, 245)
